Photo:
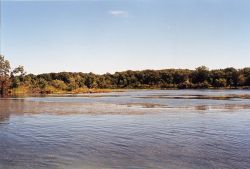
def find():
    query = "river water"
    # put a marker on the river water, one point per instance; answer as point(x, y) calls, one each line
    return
point(135, 129)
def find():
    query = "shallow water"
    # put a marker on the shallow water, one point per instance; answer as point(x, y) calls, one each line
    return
point(134, 129)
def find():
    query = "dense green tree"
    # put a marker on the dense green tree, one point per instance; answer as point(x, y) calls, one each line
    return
point(42, 83)
point(91, 81)
point(247, 82)
point(221, 82)
point(200, 75)
point(59, 84)
point(231, 76)
point(4, 75)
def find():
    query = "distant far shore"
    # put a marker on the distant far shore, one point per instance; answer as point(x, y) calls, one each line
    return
point(16, 81)
point(77, 83)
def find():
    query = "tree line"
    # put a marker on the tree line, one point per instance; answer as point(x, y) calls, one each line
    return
point(201, 77)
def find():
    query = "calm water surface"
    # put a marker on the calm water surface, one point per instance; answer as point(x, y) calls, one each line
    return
point(145, 129)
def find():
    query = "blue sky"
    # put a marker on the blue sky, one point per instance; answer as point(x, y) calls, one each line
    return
point(113, 35)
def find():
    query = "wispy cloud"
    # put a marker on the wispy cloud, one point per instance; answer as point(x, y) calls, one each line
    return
point(118, 13)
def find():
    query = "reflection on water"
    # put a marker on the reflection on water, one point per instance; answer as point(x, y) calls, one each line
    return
point(4, 116)
point(213, 97)
point(134, 129)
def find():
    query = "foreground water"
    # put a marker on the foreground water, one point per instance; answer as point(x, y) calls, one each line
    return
point(143, 129)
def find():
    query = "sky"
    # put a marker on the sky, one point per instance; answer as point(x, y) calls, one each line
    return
point(115, 35)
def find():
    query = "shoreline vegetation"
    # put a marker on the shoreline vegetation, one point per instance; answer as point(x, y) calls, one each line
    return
point(26, 91)
point(16, 81)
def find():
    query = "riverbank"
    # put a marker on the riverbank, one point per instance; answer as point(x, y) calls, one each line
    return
point(27, 91)
point(48, 91)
